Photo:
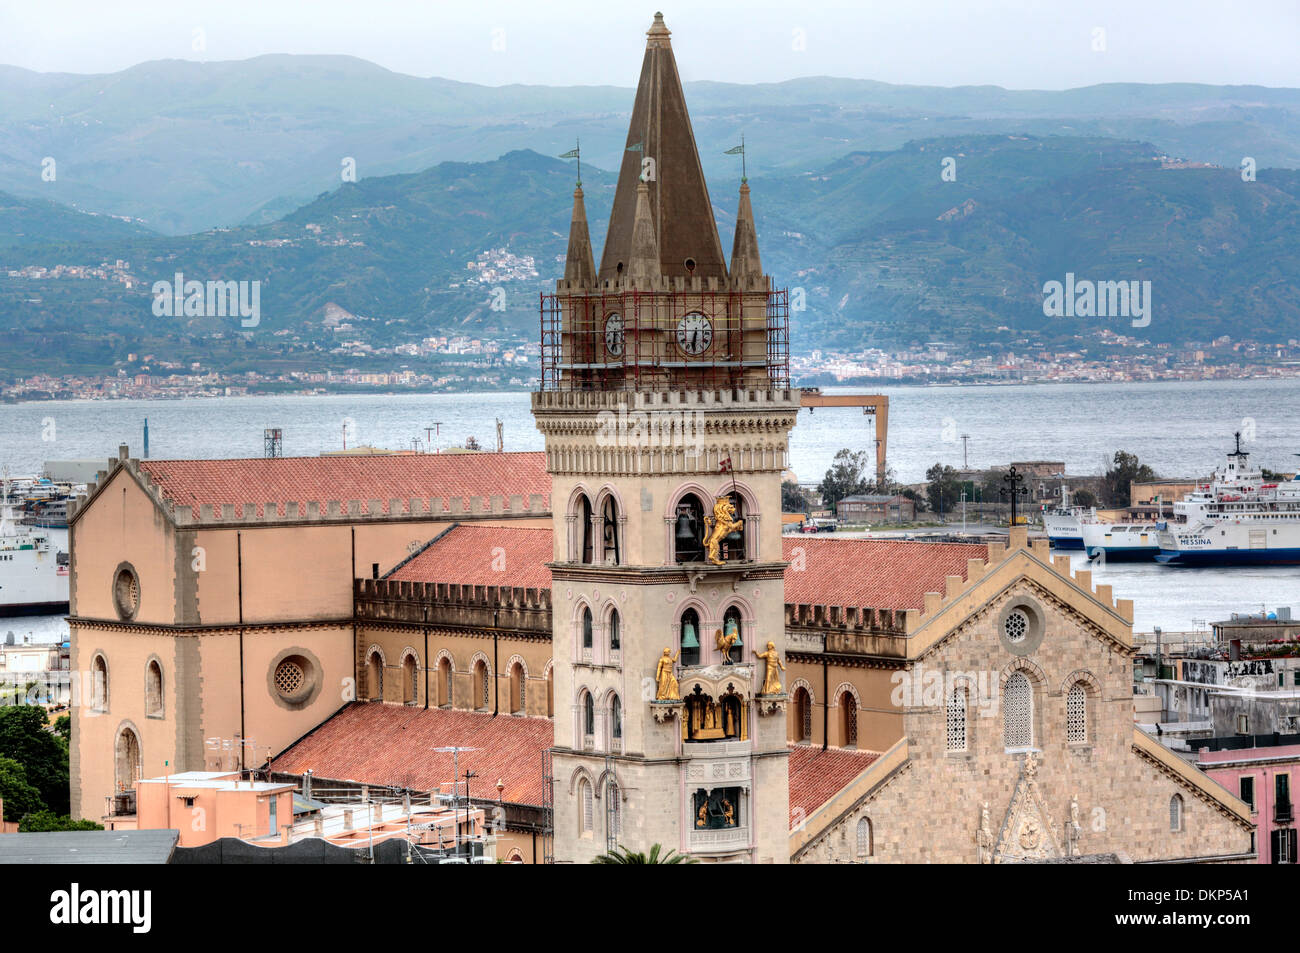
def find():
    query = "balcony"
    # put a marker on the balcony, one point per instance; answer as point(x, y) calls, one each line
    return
point(120, 806)
point(717, 749)
point(1283, 813)
point(718, 841)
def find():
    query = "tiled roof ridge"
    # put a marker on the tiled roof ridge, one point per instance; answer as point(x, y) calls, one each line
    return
point(280, 511)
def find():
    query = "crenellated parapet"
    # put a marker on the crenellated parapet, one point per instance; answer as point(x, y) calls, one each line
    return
point(521, 611)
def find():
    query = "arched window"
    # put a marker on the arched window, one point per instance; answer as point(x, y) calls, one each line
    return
point(126, 759)
point(444, 683)
point(732, 625)
point(1176, 813)
point(153, 690)
point(802, 720)
point(482, 686)
point(615, 637)
point(550, 693)
point(609, 524)
point(588, 720)
point(375, 676)
point(616, 719)
point(588, 552)
point(410, 680)
point(1076, 713)
point(1018, 712)
point(688, 531)
point(733, 544)
point(865, 844)
point(690, 638)
point(587, 818)
point(958, 704)
point(518, 688)
point(849, 717)
point(586, 629)
point(99, 684)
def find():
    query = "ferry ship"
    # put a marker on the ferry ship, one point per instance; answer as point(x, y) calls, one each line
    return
point(1237, 518)
point(33, 572)
point(1064, 524)
point(1121, 541)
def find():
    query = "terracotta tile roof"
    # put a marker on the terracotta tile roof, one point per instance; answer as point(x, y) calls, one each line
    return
point(871, 573)
point(477, 555)
point(374, 743)
point(817, 775)
point(391, 744)
point(364, 477)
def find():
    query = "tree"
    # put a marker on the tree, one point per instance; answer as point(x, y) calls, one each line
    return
point(19, 795)
point(1125, 471)
point(25, 736)
point(621, 855)
point(46, 820)
point(944, 491)
point(916, 498)
point(792, 498)
point(846, 477)
point(63, 727)
point(1084, 498)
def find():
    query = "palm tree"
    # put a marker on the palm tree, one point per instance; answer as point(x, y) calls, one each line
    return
point(622, 855)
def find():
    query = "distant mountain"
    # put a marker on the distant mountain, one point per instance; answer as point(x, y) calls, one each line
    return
point(28, 221)
point(188, 146)
point(885, 249)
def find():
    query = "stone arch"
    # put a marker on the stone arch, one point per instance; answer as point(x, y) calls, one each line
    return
point(803, 683)
point(445, 667)
point(548, 674)
point(612, 716)
point(1021, 664)
point(376, 663)
point(1090, 683)
point(128, 756)
point(154, 706)
point(481, 675)
point(518, 672)
point(578, 515)
point(609, 501)
point(99, 681)
point(409, 667)
point(580, 773)
point(851, 689)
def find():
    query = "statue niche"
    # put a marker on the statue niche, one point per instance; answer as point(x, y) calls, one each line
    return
point(718, 809)
point(707, 719)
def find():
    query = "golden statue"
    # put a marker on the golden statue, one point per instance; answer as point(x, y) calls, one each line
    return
point(665, 680)
point(729, 812)
point(718, 526)
point(771, 680)
point(701, 819)
point(725, 642)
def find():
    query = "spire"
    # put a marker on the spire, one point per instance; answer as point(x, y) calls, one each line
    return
point(643, 261)
point(660, 153)
point(745, 262)
point(579, 266)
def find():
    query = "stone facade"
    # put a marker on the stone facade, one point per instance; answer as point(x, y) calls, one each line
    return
point(1063, 779)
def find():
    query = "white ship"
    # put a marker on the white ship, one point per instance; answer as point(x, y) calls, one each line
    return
point(1064, 524)
point(1121, 541)
point(33, 573)
point(1237, 518)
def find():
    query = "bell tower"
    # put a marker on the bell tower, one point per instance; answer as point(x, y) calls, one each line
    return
point(666, 408)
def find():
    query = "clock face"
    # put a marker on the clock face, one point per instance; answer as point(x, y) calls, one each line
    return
point(614, 334)
point(694, 333)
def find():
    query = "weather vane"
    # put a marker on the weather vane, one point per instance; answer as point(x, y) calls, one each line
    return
point(576, 153)
point(740, 151)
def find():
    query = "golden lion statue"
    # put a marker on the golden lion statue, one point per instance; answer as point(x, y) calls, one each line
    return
point(718, 526)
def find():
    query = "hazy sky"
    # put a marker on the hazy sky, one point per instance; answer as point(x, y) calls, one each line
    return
point(1013, 43)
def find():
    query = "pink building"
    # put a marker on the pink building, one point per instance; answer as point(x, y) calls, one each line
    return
point(1262, 776)
point(207, 805)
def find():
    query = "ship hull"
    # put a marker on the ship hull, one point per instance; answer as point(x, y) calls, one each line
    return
point(33, 608)
point(1124, 554)
point(1229, 557)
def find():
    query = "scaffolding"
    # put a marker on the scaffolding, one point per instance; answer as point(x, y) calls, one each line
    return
point(643, 350)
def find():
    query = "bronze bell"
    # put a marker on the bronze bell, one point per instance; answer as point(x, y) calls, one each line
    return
point(685, 529)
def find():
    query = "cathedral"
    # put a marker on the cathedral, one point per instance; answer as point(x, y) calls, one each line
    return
point(614, 630)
